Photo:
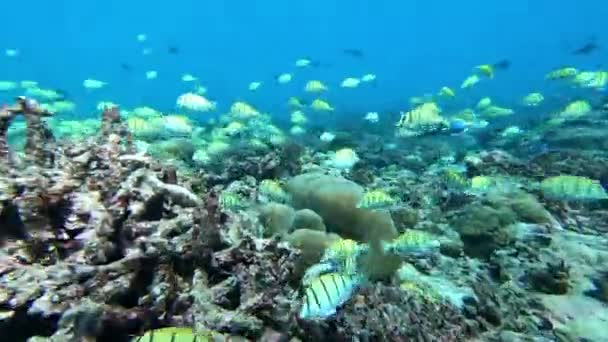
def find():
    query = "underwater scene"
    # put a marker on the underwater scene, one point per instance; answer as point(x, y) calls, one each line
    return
point(428, 171)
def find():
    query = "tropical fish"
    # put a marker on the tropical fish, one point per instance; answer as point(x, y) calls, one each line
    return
point(573, 188)
point(371, 117)
point(141, 37)
point(368, 78)
point(254, 85)
point(344, 158)
point(454, 180)
point(231, 201)
point(484, 103)
point(496, 111)
point(327, 137)
point(243, 110)
point(295, 102)
point(591, 79)
point(481, 183)
point(340, 249)
point(200, 90)
point(273, 191)
point(93, 84)
point(151, 75)
point(315, 86)
point(412, 243)
point(511, 131)
point(562, 73)
point(496, 184)
point(305, 62)
point(297, 130)
point(350, 82)
point(458, 126)
point(376, 199)
point(298, 117)
point(586, 49)
point(177, 125)
point(284, 78)
point(321, 106)
point(188, 78)
point(446, 92)
point(234, 128)
point(195, 102)
point(575, 109)
point(326, 293)
point(470, 81)
point(415, 283)
point(533, 99)
point(486, 70)
point(11, 52)
point(173, 334)
point(341, 257)
point(143, 128)
point(424, 114)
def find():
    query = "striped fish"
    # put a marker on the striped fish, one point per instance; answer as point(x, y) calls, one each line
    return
point(273, 191)
point(455, 181)
point(413, 243)
point(340, 257)
point(344, 253)
point(316, 270)
point(376, 199)
point(326, 293)
point(173, 334)
point(572, 188)
point(231, 201)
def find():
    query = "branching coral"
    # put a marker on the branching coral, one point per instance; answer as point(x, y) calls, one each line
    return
point(250, 281)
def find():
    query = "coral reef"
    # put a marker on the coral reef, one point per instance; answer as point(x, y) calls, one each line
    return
point(111, 237)
point(116, 228)
point(386, 313)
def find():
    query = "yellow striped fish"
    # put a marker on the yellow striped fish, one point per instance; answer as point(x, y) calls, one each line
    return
point(173, 334)
point(425, 114)
point(376, 199)
point(326, 293)
point(413, 242)
point(342, 256)
point(572, 188)
point(344, 253)
point(562, 73)
point(231, 201)
point(273, 190)
point(455, 181)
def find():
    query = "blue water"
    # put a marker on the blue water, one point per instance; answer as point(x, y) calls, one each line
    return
point(414, 47)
